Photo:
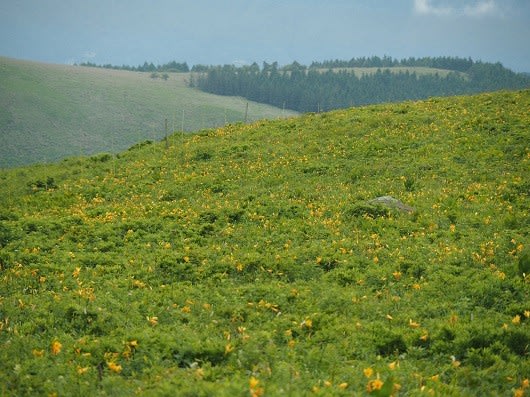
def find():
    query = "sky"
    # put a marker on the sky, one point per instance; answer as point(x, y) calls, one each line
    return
point(216, 32)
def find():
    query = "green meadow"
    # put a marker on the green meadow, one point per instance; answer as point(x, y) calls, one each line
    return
point(418, 70)
point(49, 112)
point(251, 259)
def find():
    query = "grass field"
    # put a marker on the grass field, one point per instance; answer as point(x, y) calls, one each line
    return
point(420, 71)
point(48, 112)
point(250, 260)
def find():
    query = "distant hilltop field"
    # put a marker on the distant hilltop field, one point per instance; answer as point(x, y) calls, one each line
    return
point(49, 112)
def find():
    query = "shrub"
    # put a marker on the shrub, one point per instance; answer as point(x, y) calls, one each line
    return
point(523, 265)
point(39, 184)
point(6, 235)
point(390, 343)
point(364, 209)
point(518, 341)
point(102, 157)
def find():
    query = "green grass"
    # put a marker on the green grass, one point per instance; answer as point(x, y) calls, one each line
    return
point(420, 71)
point(49, 112)
point(247, 260)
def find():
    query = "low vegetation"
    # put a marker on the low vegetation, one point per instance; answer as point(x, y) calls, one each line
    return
point(253, 260)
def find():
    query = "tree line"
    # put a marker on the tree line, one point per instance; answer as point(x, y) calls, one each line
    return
point(173, 66)
point(330, 85)
point(450, 63)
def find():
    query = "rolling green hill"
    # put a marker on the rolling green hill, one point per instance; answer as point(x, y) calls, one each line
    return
point(265, 259)
point(48, 112)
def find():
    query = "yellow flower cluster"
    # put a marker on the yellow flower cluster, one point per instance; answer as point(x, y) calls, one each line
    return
point(254, 387)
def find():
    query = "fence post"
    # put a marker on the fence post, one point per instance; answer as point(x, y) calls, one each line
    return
point(165, 129)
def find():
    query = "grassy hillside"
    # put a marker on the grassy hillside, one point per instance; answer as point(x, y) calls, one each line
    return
point(48, 112)
point(249, 260)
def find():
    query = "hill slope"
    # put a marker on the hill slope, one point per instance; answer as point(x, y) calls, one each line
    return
point(249, 259)
point(48, 112)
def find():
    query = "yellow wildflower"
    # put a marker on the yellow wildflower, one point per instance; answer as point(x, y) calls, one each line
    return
point(413, 324)
point(37, 353)
point(253, 382)
point(255, 390)
point(138, 284)
point(516, 320)
point(82, 370)
point(56, 347)
point(368, 372)
point(199, 373)
point(114, 367)
point(376, 384)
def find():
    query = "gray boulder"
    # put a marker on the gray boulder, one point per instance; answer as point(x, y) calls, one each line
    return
point(391, 202)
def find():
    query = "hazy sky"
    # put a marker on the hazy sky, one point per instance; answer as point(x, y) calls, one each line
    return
point(222, 31)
